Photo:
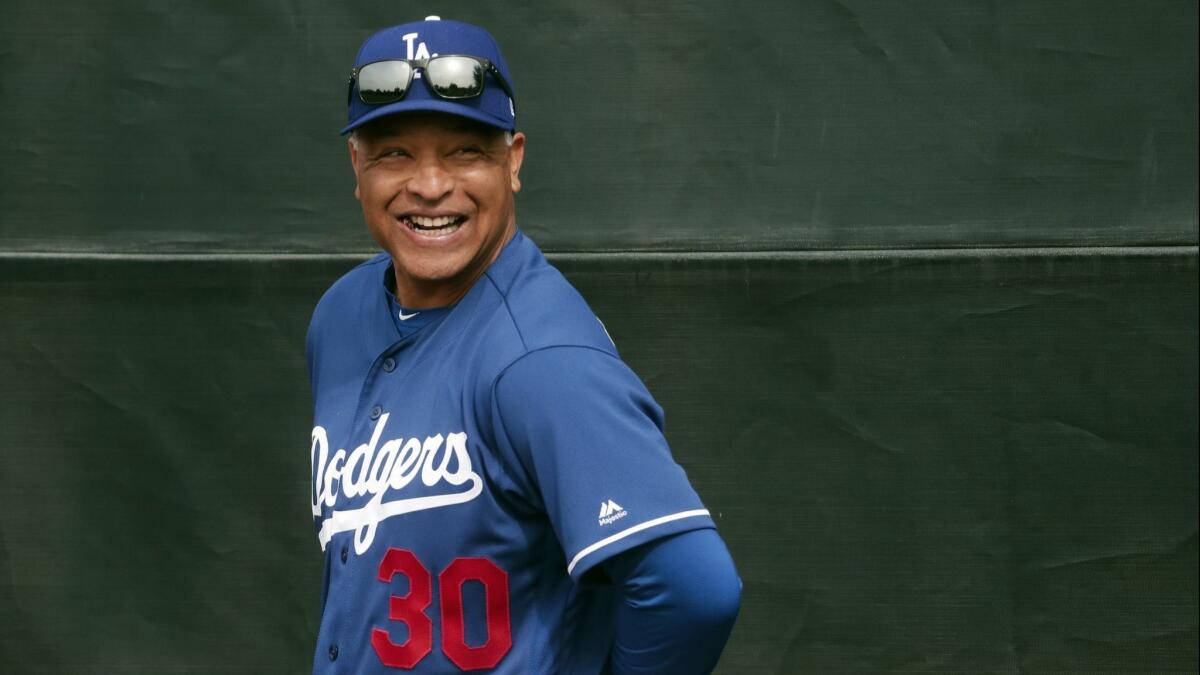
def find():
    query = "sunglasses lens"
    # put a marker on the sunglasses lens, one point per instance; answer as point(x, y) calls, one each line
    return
point(455, 76)
point(384, 81)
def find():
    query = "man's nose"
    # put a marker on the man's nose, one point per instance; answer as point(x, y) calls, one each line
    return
point(431, 181)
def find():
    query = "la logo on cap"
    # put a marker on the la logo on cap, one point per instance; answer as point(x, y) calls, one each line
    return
point(421, 51)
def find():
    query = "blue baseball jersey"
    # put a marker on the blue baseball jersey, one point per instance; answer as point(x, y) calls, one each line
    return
point(470, 465)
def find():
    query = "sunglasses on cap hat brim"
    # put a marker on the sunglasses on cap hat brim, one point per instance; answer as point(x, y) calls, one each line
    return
point(451, 77)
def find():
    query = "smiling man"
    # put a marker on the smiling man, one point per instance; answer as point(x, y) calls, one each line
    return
point(490, 482)
point(437, 195)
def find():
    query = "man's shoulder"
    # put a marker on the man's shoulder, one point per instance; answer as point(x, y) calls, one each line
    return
point(544, 308)
point(343, 304)
point(348, 292)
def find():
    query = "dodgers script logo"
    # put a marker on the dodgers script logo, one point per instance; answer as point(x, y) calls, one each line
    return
point(373, 470)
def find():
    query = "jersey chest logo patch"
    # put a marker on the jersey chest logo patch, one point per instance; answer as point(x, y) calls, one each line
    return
point(610, 512)
point(441, 462)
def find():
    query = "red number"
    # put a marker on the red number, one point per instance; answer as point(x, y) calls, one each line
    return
point(410, 610)
point(495, 586)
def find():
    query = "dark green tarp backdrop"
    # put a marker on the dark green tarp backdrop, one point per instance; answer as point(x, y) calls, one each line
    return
point(916, 284)
point(189, 125)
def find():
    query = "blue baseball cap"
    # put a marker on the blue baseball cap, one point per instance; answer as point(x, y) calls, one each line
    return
point(425, 39)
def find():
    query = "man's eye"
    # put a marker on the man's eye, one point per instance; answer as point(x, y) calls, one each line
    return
point(470, 150)
point(395, 152)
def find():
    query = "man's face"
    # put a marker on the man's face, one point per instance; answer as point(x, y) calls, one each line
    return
point(437, 194)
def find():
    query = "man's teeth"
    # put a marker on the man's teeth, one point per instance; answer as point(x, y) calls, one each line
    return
point(433, 223)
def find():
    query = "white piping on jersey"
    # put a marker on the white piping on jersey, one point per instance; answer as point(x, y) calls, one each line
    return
point(633, 530)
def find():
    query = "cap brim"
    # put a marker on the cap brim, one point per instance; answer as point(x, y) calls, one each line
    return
point(431, 105)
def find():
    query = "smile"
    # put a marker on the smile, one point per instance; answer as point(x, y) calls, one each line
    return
point(438, 226)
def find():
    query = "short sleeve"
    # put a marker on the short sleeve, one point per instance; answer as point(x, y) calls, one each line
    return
point(591, 436)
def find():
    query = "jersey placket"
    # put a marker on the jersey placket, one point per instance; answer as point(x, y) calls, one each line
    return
point(345, 566)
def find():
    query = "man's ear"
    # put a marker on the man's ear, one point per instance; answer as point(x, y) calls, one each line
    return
point(516, 155)
point(353, 145)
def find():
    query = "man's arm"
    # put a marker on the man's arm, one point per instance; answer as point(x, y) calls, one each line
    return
point(677, 601)
point(590, 439)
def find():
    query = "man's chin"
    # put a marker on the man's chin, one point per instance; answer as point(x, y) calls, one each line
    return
point(429, 274)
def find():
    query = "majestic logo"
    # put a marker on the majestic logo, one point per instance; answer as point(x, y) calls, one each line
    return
point(610, 512)
point(373, 470)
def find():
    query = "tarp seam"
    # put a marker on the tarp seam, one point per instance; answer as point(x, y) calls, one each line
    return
point(845, 254)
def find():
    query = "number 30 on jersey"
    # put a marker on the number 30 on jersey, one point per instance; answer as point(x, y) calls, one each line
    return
point(409, 609)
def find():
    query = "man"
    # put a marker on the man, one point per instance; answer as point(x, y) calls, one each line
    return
point(491, 486)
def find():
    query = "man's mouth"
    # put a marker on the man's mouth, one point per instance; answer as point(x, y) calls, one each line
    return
point(437, 226)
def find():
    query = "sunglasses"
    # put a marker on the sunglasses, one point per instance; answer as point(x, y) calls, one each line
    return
point(450, 77)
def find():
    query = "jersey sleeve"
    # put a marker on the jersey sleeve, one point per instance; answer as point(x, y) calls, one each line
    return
point(591, 437)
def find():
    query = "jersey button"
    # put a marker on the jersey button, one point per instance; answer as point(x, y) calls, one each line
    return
point(345, 553)
point(333, 652)
point(376, 412)
point(389, 364)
